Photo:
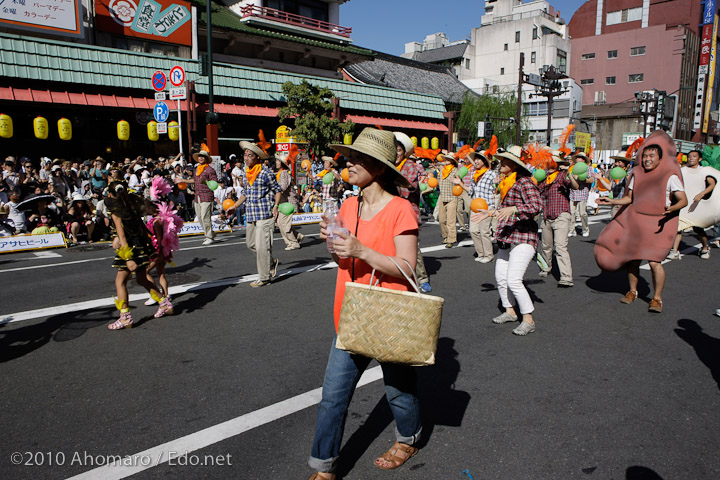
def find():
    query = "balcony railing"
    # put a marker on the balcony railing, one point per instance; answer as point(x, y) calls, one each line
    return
point(295, 20)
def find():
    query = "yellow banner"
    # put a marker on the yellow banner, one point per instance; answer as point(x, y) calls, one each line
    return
point(582, 140)
point(711, 77)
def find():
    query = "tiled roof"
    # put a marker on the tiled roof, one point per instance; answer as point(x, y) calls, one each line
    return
point(441, 54)
point(397, 72)
point(73, 63)
point(223, 17)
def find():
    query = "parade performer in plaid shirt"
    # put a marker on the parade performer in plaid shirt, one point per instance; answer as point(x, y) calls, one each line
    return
point(463, 201)
point(556, 224)
point(483, 181)
point(447, 203)
point(414, 174)
point(204, 197)
point(262, 194)
point(329, 190)
point(284, 222)
point(517, 238)
point(579, 198)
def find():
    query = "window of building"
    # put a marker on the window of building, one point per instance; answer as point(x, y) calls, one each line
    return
point(561, 61)
point(517, 37)
point(533, 57)
point(624, 16)
point(502, 71)
point(635, 77)
point(535, 33)
point(609, 80)
point(467, 63)
point(612, 54)
point(588, 56)
point(307, 8)
point(506, 47)
point(535, 109)
point(635, 51)
point(587, 81)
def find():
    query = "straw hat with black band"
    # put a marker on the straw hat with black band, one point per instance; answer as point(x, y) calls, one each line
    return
point(202, 153)
point(513, 154)
point(332, 161)
point(622, 158)
point(475, 155)
point(558, 157)
point(405, 142)
point(376, 144)
point(282, 159)
point(253, 147)
point(580, 155)
point(449, 157)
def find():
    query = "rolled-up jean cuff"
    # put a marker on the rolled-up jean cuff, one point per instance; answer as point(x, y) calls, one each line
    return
point(411, 440)
point(322, 465)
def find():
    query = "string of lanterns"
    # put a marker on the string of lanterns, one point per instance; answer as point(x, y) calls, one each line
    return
point(41, 128)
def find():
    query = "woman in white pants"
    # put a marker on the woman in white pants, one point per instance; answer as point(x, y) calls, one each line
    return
point(517, 239)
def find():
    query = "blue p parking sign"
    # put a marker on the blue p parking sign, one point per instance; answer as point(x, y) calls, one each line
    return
point(161, 112)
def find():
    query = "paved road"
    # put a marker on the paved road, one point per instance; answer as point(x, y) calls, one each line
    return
point(601, 390)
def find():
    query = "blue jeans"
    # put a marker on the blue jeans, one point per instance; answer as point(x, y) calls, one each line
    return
point(342, 374)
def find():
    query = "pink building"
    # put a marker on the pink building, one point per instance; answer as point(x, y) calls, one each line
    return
point(620, 47)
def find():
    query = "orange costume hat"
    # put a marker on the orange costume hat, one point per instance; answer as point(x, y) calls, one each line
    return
point(641, 230)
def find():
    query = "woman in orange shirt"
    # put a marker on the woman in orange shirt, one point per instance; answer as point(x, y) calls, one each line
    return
point(381, 225)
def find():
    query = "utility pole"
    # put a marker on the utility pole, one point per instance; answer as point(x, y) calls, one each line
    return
point(649, 107)
point(521, 79)
point(550, 87)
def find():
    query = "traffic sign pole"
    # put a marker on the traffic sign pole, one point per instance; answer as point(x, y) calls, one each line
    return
point(180, 128)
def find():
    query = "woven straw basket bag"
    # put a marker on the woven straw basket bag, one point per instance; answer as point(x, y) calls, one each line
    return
point(390, 325)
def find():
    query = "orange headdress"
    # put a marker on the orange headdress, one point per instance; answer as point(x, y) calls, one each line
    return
point(630, 153)
point(262, 143)
point(539, 156)
point(492, 148)
point(563, 138)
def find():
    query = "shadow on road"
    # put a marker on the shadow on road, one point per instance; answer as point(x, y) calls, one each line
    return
point(617, 282)
point(641, 473)
point(17, 342)
point(441, 404)
point(707, 348)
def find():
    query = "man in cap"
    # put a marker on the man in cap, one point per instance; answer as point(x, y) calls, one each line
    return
point(557, 220)
point(579, 197)
point(204, 197)
point(447, 202)
point(262, 198)
point(284, 222)
point(414, 174)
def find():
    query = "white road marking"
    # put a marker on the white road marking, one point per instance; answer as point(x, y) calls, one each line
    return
point(686, 251)
point(155, 456)
point(52, 265)
point(46, 254)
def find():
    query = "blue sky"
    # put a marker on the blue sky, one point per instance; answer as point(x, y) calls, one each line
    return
point(386, 25)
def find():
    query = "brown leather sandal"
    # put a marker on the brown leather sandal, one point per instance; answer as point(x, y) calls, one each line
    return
point(317, 476)
point(397, 456)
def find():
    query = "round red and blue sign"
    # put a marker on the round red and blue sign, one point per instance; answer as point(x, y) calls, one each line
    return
point(159, 81)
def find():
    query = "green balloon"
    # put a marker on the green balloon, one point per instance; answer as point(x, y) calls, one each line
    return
point(618, 173)
point(212, 184)
point(328, 178)
point(580, 168)
point(540, 174)
point(286, 208)
point(583, 176)
point(423, 187)
point(462, 171)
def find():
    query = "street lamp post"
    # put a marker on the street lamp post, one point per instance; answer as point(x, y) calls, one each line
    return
point(550, 87)
point(211, 119)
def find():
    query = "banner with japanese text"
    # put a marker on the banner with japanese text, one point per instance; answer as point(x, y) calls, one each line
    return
point(159, 20)
point(711, 77)
point(18, 243)
point(61, 17)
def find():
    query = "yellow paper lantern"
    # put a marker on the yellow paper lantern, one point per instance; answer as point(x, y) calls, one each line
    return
point(6, 126)
point(64, 129)
point(414, 140)
point(40, 125)
point(173, 131)
point(435, 143)
point(123, 130)
point(152, 131)
point(347, 139)
point(425, 142)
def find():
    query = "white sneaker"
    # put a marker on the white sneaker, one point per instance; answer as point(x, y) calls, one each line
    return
point(704, 254)
point(208, 241)
point(586, 233)
point(483, 260)
point(150, 301)
point(572, 233)
point(673, 255)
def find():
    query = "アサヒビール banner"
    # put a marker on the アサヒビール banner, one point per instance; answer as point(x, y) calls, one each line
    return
point(159, 20)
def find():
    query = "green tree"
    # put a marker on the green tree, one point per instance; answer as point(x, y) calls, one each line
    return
point(475, 108)
point(310, 108)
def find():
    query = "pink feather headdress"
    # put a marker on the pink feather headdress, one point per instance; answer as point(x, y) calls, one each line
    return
point(159, 188)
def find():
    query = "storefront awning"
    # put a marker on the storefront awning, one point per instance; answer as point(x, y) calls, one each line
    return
point(397, 123)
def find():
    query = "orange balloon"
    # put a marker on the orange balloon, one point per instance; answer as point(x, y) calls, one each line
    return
point(228, 204)
point(432, 182)
point(457, 190)
point(182, 186)
point(478, 204)
point(306, 164)
point(345, 175)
